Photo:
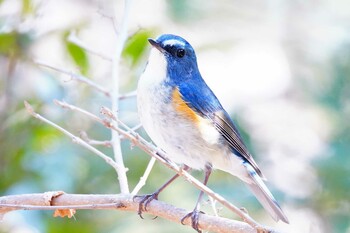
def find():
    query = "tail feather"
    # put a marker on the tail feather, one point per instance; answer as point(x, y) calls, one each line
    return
point(264, 196)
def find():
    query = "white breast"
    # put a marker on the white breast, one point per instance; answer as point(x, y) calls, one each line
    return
point(155, 71)
point(148, 96)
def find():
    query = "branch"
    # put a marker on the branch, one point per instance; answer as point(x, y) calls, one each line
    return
point(48, 201)
point(135, 128)
point(83, 79)
point(120, 42)
point(83, 135)
point(74, 138)
point(64, 104)
point(74, 76)
point(143, 179)
point(213, 205)
point(127, 95)
point(111, 18)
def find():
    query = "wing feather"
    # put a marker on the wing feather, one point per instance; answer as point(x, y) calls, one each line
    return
point(228, 130)
point(198, 96)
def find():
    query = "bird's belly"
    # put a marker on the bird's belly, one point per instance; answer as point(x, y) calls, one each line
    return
point(175, 133)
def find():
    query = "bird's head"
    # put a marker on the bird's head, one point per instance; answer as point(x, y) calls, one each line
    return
point(179, 55)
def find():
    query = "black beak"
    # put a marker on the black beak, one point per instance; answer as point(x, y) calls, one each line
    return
point(155, 44)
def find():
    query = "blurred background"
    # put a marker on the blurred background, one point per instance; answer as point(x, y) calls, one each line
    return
point(280, 68)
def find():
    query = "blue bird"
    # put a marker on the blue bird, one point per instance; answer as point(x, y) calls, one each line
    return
point(183, 117)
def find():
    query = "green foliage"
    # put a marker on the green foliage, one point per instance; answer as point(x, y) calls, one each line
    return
point(18, 141)
point(27, 7)
point(78, 55)
point(136, 46)
point(8, 43)
point(14, 43)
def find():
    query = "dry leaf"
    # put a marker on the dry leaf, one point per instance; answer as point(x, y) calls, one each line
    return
point(64, 213)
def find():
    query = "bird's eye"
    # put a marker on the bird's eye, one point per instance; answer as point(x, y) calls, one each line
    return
point(180, 53)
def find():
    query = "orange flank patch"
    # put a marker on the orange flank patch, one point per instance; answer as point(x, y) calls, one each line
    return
point(182, 107)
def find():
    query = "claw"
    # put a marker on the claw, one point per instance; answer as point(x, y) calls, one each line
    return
point(194, 215)
point(145, 202)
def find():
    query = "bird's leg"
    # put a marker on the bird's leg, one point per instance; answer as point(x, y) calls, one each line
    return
point(154, 196)
point(195, 213)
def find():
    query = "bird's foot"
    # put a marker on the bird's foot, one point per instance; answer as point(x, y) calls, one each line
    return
point(146, 199)
point(194, 215)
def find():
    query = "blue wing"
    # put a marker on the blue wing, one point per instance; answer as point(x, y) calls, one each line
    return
point(202, 100)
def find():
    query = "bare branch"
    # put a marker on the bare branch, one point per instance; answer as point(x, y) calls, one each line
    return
point(118, 202)
point(143, 179)
point(74, 138)
point(120, 42)
point(111, 18)
point(213, 205)
point(64, 104)
point(85, 137)
point(74, 76)
point(127, 95)
point(135, 128)
point(75, 40)
point(108, 113)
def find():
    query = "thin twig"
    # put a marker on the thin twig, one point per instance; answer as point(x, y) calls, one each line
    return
point(135, 128)
point(117, 53)
point(75, 40)
point(213, 205)
point(144, 178)
point(111, 18)
point(64, 104)
point(74, 138)
point(127, 95)
point(74, 76)
point(85, 137)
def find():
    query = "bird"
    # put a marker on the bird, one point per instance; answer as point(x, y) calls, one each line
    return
point(184, 118)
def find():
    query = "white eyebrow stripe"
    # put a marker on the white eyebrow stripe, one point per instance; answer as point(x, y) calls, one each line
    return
point(174, 42)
